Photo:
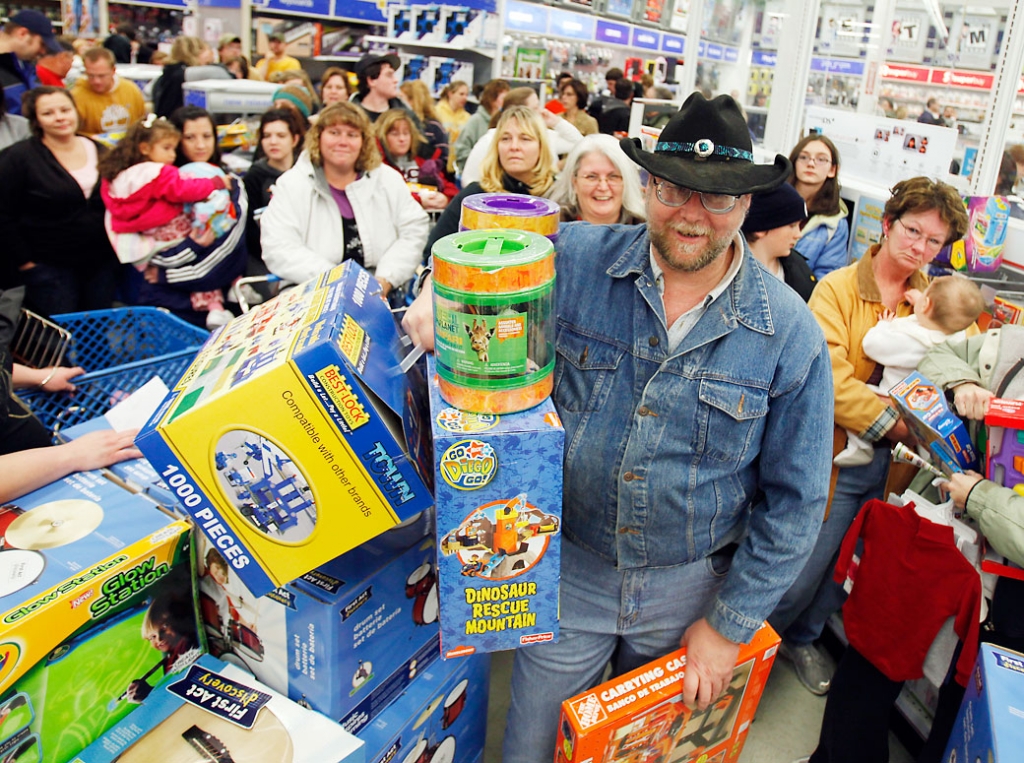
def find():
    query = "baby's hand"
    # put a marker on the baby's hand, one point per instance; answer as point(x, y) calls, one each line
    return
point(228, 182)
point(207, 237)
point(887, 315)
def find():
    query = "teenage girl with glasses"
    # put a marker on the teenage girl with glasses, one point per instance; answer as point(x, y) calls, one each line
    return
point(826, 234)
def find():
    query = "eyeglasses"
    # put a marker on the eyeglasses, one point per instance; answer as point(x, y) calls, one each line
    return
point(916, 234)
point(671, 195)
point(819, 159)
point(590, 178)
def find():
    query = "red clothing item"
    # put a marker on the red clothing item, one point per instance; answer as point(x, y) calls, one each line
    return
point(427, 172)
point(911, 579)
point(46, 77)
point(148, 195)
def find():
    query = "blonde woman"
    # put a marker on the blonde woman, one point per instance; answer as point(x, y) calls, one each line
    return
point(340, 202)
point(518, 161)
point(185, 52)
point(451, 110)
point(417, 95)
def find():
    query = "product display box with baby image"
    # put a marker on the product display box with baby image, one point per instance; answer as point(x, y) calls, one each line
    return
point(345, 638)
point(440, 718)
point(498, 490)
point(216, 712)
point(284, 438)
point(923, 406)
point(988, 728)
point(640, 717)
point(88, 571)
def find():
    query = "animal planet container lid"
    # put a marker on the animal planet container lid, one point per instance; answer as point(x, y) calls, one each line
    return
point(510, 210)
point(493, 261)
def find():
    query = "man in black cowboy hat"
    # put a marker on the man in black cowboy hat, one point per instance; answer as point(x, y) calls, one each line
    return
point(696, 393)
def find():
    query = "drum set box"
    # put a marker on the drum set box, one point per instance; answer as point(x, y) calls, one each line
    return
point(498, 489)
point(217, 712)
point(440, 718)
point(87, 570)
point(640, 716)
point(284, 439)
point(344, 639)
point(988, 726)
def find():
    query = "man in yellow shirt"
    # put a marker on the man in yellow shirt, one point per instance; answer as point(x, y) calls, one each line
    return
point(105, 102)
point(277, 60)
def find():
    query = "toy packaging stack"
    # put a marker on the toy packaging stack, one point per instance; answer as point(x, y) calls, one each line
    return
point(217, 712)
point(1004, 427)
point(923, 406)
point(345, 638)
point(640, 716)
point(441, 716)
point(88, 570)
point(283, 440)
point(498, 485)
point(981, 250)
point(988, 727)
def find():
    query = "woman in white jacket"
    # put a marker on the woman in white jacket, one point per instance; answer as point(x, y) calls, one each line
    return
point(339, 202)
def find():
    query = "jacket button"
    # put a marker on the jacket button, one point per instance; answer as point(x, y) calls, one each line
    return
point(652, 341)
point(628, 477)
point(643, 410)
point(623, 530)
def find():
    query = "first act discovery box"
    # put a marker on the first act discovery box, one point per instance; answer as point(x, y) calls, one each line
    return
point(498, 491)
point(284, 439)
point(988, 727)
point(640, 717)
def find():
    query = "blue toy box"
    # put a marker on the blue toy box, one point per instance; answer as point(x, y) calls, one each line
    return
point(442, 716)
point(988, 727)
point(923, 406)
point(345, 638)
point(215, 711)
point(283, 440)
point(498, 491)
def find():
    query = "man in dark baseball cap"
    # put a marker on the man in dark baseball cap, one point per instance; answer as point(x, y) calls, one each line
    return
point(378, 84)
point(22, 39)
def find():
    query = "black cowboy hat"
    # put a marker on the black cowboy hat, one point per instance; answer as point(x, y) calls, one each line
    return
point(706, 147)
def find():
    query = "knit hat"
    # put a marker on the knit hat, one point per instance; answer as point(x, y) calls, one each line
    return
point(774, 209)
point(297, 96)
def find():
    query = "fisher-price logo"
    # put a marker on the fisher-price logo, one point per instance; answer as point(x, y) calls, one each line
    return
point(469, 464)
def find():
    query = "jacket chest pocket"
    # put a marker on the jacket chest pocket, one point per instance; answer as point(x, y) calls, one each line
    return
point(584, 371)
point(729, 418)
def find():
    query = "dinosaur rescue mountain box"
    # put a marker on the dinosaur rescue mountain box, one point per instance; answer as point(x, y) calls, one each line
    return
point(284, 438)
point(640, 716)
point(498, 496)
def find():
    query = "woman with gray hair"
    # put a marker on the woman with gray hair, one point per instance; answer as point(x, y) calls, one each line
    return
point(599, 184)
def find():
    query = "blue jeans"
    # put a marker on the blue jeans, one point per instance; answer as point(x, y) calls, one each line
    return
point(633, 616)
point(805, 608)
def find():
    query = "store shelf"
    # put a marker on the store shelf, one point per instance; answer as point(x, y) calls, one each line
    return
point(431, 46)
point(341, 57)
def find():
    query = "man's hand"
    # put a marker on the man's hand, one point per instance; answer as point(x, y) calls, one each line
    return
point(710, 660)
point(419, 318)
point(959, 486)
point(971, 400)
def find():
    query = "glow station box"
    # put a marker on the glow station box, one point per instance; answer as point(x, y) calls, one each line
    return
point(87, 570)
point(344, 639)
point(988, 727)
point(640, 716)
point(441, 716)
point(498, 493)
point(217, 712)
point(284, 439)
point(923, 406)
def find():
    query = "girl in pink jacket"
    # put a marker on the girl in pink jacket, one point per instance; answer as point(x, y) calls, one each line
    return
point(152, 205)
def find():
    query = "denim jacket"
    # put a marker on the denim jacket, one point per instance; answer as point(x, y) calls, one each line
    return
point(670, 458)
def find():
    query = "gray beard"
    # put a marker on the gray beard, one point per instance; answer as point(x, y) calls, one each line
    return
point(698, 260)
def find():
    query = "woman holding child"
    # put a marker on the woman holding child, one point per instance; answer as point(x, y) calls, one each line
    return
point(919, 219)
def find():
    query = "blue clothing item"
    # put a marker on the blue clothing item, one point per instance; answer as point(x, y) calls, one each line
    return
point(670, 457)
point(814, 597)
point(824, 244)
point(634, 615)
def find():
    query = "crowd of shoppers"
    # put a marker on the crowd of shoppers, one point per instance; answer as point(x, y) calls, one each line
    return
point(711, 253)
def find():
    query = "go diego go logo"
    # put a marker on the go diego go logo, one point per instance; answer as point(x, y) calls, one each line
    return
point(469, 464)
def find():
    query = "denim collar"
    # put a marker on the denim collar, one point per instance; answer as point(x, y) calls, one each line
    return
point(746, 299)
